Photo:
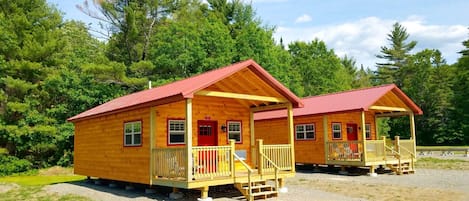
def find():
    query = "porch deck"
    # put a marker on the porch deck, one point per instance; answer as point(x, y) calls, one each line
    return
point(378, 152)
point(242, 176)
point(219, 165)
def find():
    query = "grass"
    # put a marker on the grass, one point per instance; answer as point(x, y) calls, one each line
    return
point(441, 147)
point(447, 164)
point(41, 180)
point(36, 193)
point(29, 186)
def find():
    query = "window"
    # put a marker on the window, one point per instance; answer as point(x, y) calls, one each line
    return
point(234, 131)
point(176, 131)
point(368, 131)
point(305, 132)
point(133, 133)
point(336, 131)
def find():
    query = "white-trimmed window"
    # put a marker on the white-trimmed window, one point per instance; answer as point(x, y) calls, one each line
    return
point(234, 131)
point(133, 133)
point(176, 131)
point(368, 131)
point(336, 131)
point(305, 132)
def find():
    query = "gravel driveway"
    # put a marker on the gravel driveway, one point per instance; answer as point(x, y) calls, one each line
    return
point(425, 184)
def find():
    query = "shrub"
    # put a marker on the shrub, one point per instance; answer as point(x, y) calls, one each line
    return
point(11, 164)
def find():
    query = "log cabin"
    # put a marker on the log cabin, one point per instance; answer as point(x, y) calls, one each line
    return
point(192, 134)
point(342, 129)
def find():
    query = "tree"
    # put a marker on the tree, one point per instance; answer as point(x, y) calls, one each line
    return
point(460, 101)
point(360, 78)
point(396, 56)
point(30, 42)
point(132, 25)
point(321, 69)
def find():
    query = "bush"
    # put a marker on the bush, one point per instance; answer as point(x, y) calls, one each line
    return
point(10, 165)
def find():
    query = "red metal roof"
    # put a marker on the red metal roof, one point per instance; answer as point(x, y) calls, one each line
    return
point(185, 89)
point(360, 99)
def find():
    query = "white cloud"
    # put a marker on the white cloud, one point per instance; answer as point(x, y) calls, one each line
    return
point(303, 18)
point(363, 38)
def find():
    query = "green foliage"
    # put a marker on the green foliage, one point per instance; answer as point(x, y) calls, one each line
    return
point(460, 101)
point(11, 164)
point(321, 69)
point(396, 56)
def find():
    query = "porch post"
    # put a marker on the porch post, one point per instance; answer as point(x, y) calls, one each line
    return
point(363, 135)
point(152, 142)
point(291, 138)
point(376, 128)
point(253, 138)
point(188, 139)
point(412, 131)
point(326, 138)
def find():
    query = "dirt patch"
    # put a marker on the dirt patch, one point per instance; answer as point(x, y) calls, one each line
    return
point(56, 170)
point(7, 187)
point(385, 192)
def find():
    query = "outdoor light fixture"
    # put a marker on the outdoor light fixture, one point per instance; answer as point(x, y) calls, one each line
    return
point(223, 128)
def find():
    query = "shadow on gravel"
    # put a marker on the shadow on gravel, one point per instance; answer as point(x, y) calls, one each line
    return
point(160, 192)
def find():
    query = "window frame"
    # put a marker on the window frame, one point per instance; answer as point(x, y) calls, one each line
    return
point(368, 131)
point(305, 131)
point(133, 133)
point(240, 131)
point(168, 132)
point(340, 131)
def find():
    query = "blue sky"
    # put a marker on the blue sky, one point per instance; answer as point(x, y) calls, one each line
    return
point(356, 28)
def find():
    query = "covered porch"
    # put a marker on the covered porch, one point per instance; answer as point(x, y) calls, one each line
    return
point(216, 139)
point(397, 154)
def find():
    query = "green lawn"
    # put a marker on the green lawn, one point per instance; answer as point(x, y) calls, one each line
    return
point(441, 147)
point(29, 187)
point(40, 179)
point(448, 164)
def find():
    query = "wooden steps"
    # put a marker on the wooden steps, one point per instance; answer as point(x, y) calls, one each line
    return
point(405, 168)
point(259, 189)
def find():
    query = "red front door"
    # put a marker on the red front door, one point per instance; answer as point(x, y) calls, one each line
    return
point(352, 135)
point(207, 136)
point(207, 133)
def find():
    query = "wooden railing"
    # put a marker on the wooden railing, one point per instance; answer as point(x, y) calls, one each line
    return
point(211, 161)
point(280, 155)
point(170, 162)
point(375, 150)
point(344, 151)
point(218, 161)
point(408, 148)
point(250, 171)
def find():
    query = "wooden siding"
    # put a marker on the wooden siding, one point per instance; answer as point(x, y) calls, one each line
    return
point(310, 151)
point(99, 149)
point(205, 108)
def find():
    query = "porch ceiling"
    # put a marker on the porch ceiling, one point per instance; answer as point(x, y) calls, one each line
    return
point(247, 88)
point(390, 103)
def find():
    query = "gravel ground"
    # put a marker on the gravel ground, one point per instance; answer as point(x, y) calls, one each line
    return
point(425, 184)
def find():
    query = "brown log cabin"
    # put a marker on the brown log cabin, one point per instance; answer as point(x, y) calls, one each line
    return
point(193, 134)
point(341, 129)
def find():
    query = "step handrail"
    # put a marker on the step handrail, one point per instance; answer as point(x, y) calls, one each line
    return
point(277, 169)
point(250, 171)
point(412, 156)
point(396, 154)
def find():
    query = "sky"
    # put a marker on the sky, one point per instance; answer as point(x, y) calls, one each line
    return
point(356, 28)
